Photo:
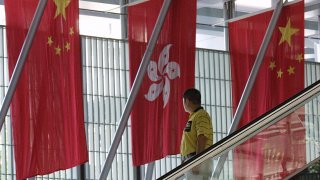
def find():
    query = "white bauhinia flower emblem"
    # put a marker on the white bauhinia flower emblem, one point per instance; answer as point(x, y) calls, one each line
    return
point(168, 71)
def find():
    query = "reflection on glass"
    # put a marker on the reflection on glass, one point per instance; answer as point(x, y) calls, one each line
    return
point(275, 153)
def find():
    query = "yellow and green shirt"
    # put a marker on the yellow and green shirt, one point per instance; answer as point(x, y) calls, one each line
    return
point(199, 123)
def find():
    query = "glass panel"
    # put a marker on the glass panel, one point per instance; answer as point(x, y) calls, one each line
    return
point(275, 146)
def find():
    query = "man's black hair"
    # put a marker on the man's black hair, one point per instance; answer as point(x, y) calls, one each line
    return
point(192, 95)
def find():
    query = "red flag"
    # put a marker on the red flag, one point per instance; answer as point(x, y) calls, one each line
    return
point(158, 116)
point(281, 76)
point(47, 108)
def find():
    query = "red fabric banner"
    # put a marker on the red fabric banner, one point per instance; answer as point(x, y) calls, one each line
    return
point(158, 116)
point(281, 76)
point(47, 107)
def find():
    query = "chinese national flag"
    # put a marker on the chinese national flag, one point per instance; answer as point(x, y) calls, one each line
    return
point(281, 148)
point(158, 116)
point(47, 107)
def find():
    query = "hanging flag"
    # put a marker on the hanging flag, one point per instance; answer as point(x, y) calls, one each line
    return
point(281, 148)
point(158, 116)
point(47, 107)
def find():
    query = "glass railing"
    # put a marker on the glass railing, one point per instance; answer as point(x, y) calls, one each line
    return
point(277, 145)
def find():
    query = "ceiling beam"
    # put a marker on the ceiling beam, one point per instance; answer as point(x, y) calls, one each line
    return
point(115, 2)
point(312, 11)
point(99, 14)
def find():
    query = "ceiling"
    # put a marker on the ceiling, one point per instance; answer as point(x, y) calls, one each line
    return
point(210, 12)
point(210, 17)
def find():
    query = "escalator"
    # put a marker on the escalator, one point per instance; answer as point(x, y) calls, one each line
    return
point(277, 145)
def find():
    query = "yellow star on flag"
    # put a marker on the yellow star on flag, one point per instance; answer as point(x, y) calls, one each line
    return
point(299, 57)
point(287, 32)
point(291, 70)
point(67, 46)
point(61, 7)
point(49, 42)
point(272, 65)
point(71, 31)
point(58, 50)
point(279, 72)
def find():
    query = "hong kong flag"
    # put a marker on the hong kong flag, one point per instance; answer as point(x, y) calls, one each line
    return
point(158, 116)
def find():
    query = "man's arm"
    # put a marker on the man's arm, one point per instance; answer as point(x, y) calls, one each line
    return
point(201, 143)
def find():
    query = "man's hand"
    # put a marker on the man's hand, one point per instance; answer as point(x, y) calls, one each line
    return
point(195, 170)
